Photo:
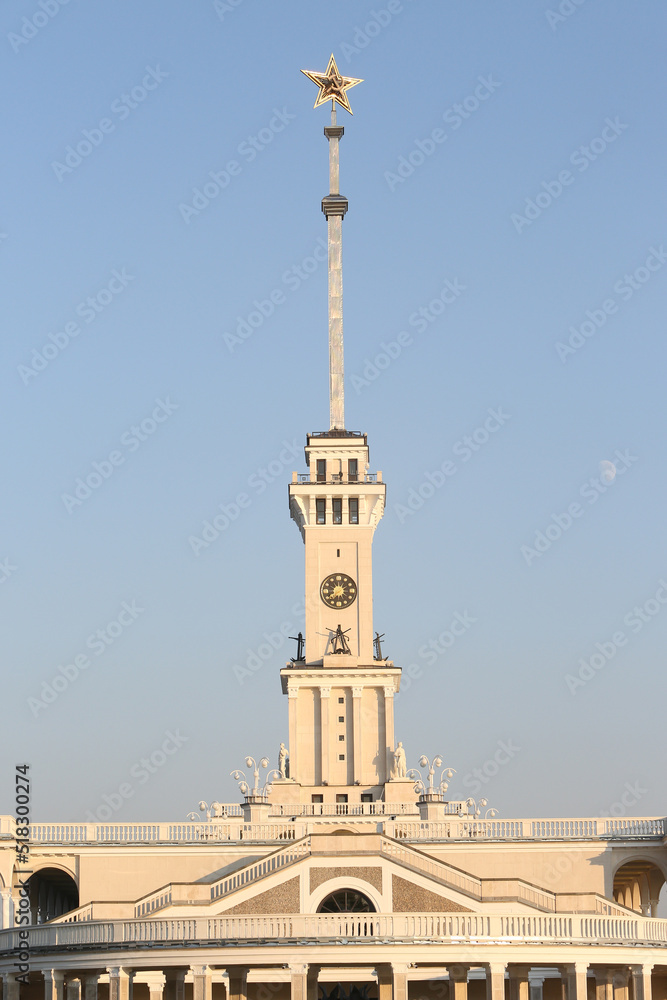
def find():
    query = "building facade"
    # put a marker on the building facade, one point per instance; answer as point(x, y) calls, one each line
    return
point(343, 874)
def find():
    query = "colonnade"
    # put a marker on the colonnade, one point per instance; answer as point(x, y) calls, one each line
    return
point(503, 981)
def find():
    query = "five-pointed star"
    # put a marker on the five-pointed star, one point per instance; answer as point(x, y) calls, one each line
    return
point(332, 85)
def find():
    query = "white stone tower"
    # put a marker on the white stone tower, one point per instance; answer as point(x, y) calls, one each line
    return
point(341, 692)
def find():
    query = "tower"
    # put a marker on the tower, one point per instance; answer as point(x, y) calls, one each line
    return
point(341, 690)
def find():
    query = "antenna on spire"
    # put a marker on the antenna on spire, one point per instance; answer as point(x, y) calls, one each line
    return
point(333, 87)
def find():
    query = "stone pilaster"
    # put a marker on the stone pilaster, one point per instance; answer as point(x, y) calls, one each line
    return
point(73, 989)
point(356, 724)
point(238, 976)
point(10, 987)
point(458, 982)
point(155, 982)
point(575, 978)
point(603, 983)
point(201, 982)
point(536, 984)
point(399, 973)
point(519, 985)
point(90, 986)
point(7, 916)
point(325, 702)
point(120, 983)
point(641, 981)
point(53, 984)
point(174, 988)
point(495, 981)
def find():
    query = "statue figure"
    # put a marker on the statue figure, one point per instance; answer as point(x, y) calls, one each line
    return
point(399, 762)
point(283, 761)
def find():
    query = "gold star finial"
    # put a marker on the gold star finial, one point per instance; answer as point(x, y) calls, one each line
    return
point(332, 85)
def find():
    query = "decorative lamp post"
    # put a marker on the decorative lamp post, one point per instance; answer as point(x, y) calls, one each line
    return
point(431, 802)
point(256, 806)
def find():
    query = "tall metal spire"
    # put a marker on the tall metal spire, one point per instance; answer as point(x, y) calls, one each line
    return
point(333, 87)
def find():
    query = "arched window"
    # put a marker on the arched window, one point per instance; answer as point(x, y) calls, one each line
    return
point(346, 901)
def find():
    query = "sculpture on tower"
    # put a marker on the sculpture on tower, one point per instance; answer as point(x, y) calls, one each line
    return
point(283, 761)
point(399, 762)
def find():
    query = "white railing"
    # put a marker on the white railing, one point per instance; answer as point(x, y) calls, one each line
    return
point(634, 827)
point(482, 889)
point(217, 831)
point(73, 916)
point(268, 865)
point(167, 895)
point(451, 877)
point(470, 930)
point(453, 827)
point(326, 809)
point(156, 900)
point(528, 829)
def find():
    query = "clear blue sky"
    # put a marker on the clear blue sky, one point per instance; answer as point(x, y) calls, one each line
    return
point(533, 156)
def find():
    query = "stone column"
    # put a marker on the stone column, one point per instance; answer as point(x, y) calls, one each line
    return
point(575, 976)
point(535, 984)
point(388, 732)
point(10, 987)
point(90, 984)
point(356, 728)
point(7, 908)
point(155, 982)
point(201, 982)
point(603, 983)
point(73, 989)
point(458, 982)
point(495, 981)
point(175, 985)
point(292, 698)
point(621, 984)
point(238, 986)
point(399, 974)
point(324, 728)
point(299, 982)
point(641, 981)
point(53, 984)
point(120, 982)
point(519, 987)
point(385, 982)
point(311, 982)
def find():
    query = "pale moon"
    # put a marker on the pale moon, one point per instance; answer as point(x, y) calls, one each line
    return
point(607, 471)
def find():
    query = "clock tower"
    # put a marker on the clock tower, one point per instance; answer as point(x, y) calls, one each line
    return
point(340, 688)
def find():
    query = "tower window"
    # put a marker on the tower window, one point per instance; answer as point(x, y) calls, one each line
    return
point(353, 507)
point(352, 470)
point(341, 718)
point(321, 470)
point(341, 756)
point(341, 739)
point(337, 506)
point(321, 510)
point(341, 701)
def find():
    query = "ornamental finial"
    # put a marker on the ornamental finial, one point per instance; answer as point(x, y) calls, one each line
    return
point(332, 86)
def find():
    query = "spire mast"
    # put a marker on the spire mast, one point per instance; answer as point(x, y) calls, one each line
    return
point(332, 87)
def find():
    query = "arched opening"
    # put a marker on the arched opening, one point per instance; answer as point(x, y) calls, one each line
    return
point(52, 893)
point(637, 885)
point(346, 901)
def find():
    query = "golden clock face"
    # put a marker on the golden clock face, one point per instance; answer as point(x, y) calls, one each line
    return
point(338, 590)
